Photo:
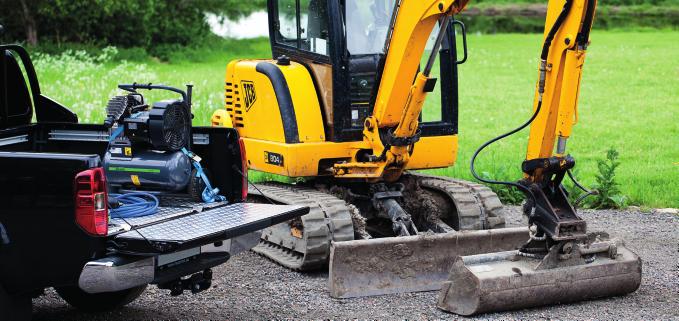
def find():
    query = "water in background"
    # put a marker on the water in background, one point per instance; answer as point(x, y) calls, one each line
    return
point(252, 26)
point(257, 25)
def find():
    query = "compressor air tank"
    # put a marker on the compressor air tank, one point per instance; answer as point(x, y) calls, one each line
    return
point(148, 170)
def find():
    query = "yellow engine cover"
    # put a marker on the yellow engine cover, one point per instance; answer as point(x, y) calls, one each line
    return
point(277, 113)
point(273, 102)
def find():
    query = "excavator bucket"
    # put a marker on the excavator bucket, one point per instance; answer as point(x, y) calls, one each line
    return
point(506, 281)
point(411, 263)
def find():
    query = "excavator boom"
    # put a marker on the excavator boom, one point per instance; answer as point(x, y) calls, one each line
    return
point(392, 130)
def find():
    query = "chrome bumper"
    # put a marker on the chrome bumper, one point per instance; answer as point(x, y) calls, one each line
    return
point(119, 273)
point(116, 274)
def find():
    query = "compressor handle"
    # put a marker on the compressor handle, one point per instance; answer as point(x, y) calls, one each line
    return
point(186, 95)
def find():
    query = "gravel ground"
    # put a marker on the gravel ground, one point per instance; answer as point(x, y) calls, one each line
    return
point(251, 287)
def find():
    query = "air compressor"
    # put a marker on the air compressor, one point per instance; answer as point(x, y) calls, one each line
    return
point(150, 146)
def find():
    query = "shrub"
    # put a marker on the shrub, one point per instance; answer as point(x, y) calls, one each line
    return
point(131, 54)
point(609, 195)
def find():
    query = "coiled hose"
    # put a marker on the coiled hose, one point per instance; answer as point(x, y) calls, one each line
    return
point(136, 204)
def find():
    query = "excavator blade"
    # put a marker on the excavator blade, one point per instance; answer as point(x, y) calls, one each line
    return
point(506, 281)
point(410, 263)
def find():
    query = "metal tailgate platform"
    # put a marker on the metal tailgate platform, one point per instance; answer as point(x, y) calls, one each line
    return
point(204, 227)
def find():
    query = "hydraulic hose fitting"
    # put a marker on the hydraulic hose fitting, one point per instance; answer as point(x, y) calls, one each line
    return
point(561, 145)
point(543, 76)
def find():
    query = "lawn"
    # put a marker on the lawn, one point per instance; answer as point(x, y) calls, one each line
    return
point(629, 101)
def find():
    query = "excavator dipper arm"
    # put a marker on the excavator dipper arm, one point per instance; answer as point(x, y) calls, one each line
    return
point(566, 39)
point(561, 262)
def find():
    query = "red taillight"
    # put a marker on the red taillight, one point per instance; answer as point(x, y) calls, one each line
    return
point(91, 201)
point(244, 168)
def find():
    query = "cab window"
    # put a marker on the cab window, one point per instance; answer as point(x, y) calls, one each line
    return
point(367, 25)
point(287, 22)
point(306, 29)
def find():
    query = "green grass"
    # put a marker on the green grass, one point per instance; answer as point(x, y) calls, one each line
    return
point(629, 100)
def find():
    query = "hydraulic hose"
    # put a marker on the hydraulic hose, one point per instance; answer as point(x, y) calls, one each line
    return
point(580, 186)
point(472, 166)
point(541, 89)
point(135, 204)
point(583, 37)
point(557, 24)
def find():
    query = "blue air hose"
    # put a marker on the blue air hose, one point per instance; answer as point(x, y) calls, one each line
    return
point(136, 204)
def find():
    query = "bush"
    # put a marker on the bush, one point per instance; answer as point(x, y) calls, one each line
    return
point(609, 195)
point(501, 17)
point(605, 192)
point(131, 54)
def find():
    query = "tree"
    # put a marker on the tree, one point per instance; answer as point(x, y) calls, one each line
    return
point(19, 19)
point(125, 23)
point(30, 24)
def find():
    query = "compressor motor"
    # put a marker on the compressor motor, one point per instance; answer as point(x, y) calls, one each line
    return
point(149, 147)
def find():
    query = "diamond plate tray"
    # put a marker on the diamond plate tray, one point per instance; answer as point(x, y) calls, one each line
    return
point(169, 207)
point(205, 227)
point(183, 201)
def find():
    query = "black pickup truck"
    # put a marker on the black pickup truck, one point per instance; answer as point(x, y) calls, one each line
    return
point(55, 229)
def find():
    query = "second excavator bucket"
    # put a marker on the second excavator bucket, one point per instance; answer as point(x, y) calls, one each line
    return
point(411, 263)
point(508, 280)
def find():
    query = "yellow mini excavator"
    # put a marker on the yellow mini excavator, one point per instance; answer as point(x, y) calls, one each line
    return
point(341, 107)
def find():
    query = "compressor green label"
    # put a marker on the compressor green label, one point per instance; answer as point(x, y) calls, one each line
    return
point(134, 170)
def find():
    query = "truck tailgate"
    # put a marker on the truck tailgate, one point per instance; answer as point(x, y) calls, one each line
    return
point(204, 227)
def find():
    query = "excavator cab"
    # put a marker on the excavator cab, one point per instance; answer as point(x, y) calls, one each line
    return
point(342, 44)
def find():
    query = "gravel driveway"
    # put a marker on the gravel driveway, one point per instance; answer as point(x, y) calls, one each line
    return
point(251, 287)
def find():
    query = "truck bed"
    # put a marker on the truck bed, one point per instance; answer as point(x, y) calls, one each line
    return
point(218, 147)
